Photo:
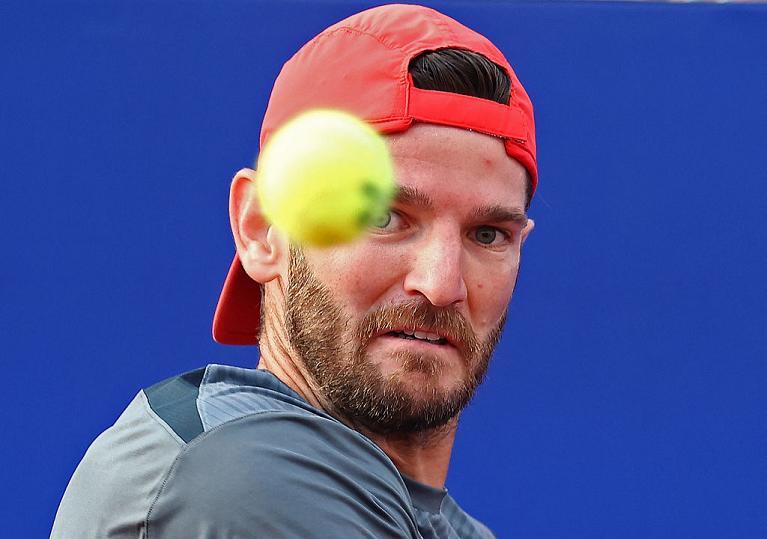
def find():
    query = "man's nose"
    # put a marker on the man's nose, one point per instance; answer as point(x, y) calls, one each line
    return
point(436, 270)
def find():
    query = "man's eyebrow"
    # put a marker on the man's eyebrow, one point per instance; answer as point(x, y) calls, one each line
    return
point(495, 213)
point(411, 196)
point(500, 214)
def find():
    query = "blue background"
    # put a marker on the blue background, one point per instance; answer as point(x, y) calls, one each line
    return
point(627, 398)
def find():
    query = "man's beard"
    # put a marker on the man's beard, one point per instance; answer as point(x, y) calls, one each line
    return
point(335, 356)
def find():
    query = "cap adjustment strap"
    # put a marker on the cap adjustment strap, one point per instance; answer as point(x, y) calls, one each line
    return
point(467, 112)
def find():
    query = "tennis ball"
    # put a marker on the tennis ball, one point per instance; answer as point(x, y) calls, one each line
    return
point(324, 177)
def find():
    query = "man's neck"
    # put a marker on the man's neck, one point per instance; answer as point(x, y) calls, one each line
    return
point(277, 355)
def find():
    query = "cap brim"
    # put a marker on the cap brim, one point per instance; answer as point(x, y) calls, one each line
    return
point(238, 314)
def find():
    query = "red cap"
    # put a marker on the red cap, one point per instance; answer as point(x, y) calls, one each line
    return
point(360, 65)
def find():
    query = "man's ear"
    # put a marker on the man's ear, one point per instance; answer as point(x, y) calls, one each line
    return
point(529, 226)
point(260, 248)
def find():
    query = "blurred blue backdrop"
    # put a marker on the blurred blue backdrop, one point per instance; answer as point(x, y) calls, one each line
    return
point(627, 399)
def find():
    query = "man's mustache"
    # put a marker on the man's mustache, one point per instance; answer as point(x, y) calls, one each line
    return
point(419, 313)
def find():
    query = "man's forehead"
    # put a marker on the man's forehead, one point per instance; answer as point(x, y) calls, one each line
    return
point(477, 161)
point(460, 147)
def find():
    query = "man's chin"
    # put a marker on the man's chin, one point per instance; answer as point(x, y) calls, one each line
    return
point(411, 403)
point(404, 425)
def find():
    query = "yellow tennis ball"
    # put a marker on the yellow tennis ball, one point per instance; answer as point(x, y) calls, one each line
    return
point(324, 177)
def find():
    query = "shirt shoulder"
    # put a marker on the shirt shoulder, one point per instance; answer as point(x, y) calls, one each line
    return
point(260, 461)
point(225, 451)
point(282, 474)
point(119, 476)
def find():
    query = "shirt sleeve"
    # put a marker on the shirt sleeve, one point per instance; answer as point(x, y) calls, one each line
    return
point(118, 478)
point(285, 476)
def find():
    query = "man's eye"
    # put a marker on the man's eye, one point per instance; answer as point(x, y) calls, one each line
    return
point(487, 235)
point(382, 221)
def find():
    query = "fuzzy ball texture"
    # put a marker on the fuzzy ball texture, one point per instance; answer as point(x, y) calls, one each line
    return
point(324, 177)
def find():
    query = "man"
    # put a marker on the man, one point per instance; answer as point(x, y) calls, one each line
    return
point(369, 350)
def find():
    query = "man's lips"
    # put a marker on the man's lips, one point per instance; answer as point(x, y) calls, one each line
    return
point(428, 336)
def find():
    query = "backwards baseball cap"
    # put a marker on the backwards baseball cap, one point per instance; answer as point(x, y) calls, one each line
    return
point(360, 65)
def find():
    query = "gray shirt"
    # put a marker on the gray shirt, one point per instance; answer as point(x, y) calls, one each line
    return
point(229, 452)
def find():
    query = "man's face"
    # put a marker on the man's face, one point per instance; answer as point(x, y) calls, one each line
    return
point(397, 329)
